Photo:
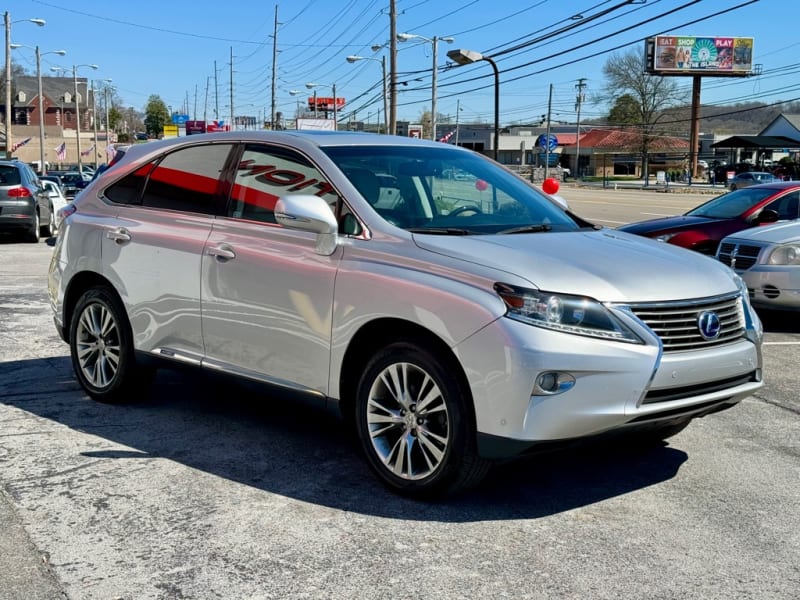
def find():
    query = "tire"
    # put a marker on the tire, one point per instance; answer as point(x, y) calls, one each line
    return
point(34, 234)
point(414, 424)
point(101, 347)
point(49, 229)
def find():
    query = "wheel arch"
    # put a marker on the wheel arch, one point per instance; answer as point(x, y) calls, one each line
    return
point(80, 283)
point(377, 334)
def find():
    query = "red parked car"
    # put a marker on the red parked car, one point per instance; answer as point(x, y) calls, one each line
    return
point(703, 227)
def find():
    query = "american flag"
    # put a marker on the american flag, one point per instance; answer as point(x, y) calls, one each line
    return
point(19, 144)
point(88, 151)
point(446, 138)
point(61, 151)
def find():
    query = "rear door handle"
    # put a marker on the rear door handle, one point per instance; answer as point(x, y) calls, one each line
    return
point(223, 251)
point(120, 235)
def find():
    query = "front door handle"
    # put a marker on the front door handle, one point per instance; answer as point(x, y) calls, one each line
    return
point(120, 235)
point(223, 251)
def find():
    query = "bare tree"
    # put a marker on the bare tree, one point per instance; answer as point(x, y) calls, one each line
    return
point(625, 74)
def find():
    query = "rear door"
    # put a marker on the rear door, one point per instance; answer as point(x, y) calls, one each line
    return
point(152, 250)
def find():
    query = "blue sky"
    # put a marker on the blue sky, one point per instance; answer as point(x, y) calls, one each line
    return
point(169, 48)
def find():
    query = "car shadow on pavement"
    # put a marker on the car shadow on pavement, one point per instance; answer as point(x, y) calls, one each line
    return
point(258, 439)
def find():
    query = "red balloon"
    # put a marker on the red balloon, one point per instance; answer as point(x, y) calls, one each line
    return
point(481, 185)
point(550, 185)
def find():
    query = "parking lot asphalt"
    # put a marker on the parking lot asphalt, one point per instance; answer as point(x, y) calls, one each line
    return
point(208, 490)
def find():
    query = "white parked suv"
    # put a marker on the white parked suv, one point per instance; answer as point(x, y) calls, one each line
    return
point(454, 321)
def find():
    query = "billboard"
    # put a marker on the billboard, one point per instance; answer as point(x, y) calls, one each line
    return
point(194, 127)
point(709, 56)
point(319, 124)
point(325, 104)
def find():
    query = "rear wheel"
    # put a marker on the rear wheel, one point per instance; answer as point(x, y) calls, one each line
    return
point(414, 423)
point(101, 347)
point(34, 232)
point(49, 229)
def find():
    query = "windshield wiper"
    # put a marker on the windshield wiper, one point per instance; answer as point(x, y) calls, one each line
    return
point(526, 229)
point(441, 230)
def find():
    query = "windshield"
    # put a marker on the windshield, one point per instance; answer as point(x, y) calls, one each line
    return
point(447, 191)
point(732, 204)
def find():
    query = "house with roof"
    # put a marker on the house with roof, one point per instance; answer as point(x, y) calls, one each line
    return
point(605, 152)
point(60, 123)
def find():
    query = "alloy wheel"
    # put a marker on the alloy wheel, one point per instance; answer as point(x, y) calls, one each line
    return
point(98, 345)
point(408, 421)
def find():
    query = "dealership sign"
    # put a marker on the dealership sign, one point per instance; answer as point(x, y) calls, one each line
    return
point(193, 127)
point(687, 55)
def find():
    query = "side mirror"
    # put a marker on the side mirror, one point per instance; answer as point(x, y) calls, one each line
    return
point(767, 216)
point(309, 213)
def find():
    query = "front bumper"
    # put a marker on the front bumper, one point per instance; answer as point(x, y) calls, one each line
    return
point(616, 386)
point(773, 286)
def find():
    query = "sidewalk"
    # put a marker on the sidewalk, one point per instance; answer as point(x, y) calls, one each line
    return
point(639, 184)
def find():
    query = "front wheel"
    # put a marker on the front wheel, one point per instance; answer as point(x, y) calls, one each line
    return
point(101, 347)
point(414, 423)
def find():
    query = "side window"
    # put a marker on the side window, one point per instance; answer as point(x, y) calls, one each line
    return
point(128, 190)
point(188, 180)
point(265, 173)
point(787, 206)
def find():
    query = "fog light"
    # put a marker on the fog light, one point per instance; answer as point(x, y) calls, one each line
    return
point(553, 382)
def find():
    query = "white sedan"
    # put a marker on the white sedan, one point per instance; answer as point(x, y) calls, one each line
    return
point(768, 259)
point(57, 198)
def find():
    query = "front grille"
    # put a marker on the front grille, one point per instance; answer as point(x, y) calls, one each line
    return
point(676, 323)
point(738, 256)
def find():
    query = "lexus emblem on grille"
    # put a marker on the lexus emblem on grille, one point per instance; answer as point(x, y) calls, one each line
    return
point(709, 325)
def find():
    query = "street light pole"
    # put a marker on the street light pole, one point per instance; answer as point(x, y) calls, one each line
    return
point(352, 59)
point(9, 111)
point(108, 128)
point(40, 94)
point(466, 57)
point(78, 112)
point(335, 108)
point(404, 37)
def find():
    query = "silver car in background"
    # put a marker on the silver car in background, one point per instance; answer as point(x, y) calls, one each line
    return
point(453, 321)
point(768, 259)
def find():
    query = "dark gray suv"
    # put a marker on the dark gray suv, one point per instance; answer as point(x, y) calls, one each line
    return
point(25, 206)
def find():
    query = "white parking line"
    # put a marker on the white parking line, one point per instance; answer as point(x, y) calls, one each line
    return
point(660, 214)
point(781, 343)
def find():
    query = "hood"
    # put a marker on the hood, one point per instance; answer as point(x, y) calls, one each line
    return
point(607, 265)
point(655, 227)
point(786, 232)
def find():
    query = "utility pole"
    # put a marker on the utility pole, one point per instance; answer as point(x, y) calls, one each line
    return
point(232, 113)
point(216, 92)
point(393, 67)
point(458, 110)
point(547, 135)
point(205, 104)
point(273, 125)
point(579, 98)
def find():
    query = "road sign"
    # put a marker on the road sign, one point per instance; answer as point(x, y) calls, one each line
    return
point(548, 142)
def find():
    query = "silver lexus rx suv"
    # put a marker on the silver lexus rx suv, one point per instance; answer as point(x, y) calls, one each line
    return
point(454, 321)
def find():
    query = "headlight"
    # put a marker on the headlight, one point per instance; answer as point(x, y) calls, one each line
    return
point(787, 254)
point(571, 314)
point(665, 237)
